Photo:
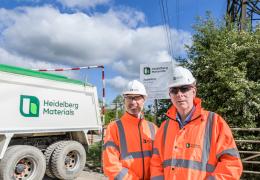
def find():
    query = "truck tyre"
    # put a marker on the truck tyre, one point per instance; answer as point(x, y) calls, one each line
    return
point(48, 155)
point(22, 162)
point(68, 160)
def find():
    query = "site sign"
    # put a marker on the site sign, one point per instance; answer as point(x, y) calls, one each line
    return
point(155, 78)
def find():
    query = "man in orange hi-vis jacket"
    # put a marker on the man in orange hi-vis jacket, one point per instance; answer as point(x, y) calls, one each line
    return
point(128, 142)
point(193, 143)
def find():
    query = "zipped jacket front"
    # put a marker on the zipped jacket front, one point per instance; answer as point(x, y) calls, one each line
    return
point(203, 149)
point(127, 148)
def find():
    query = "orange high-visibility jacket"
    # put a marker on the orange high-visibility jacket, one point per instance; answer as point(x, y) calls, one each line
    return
point(127, 148)
point(203, 149)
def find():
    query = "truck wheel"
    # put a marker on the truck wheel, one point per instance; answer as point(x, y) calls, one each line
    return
point(48, 156)
point(22, 162)
point(68, 160)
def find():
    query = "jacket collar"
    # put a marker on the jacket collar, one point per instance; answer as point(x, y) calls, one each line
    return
point(172, 111)
point(131, 119)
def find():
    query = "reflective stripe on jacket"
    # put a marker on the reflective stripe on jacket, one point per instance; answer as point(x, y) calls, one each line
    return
point(203, 149)
point(127, 148)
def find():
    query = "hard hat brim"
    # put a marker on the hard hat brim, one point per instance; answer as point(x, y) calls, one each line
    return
point(179, 84)
point(132, 92)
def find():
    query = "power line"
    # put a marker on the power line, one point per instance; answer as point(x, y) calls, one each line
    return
point(166, 24)
point(169, 29)
point(177, 13)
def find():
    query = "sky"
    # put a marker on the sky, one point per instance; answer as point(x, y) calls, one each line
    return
point(119, 34)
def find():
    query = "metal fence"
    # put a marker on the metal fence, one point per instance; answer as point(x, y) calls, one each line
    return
point(252, 156)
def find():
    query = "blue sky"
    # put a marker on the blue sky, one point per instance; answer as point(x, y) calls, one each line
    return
point(119, 34)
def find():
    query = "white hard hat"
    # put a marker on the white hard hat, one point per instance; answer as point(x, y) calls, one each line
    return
point(135, 87)
point(180, 77)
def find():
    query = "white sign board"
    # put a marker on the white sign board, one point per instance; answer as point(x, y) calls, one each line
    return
point(155, 78)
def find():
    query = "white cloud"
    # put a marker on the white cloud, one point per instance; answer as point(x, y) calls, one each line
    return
point(83, 3)
point(15, 60)
point(129, 16)
point(118, 38)
point(117, 83)
point(12, 59)
point(147, 45)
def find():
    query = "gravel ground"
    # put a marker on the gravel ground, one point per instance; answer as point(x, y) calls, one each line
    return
point(87, 175)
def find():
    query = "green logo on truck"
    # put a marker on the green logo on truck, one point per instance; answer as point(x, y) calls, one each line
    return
point(29, 106)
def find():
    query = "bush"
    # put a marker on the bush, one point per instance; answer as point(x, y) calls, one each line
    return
point(94, 155)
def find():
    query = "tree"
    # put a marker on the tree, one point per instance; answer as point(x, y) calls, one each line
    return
point(115, 111)
point(226, 64)
point(156, 112)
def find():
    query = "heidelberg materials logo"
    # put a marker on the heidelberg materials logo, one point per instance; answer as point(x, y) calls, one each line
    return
point(147, 70)
point(29, 106)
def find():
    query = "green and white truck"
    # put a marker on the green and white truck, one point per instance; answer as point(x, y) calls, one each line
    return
point(44, 121)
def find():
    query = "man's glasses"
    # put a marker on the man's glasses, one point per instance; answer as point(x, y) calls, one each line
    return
point(183, 89)
point(131, 98)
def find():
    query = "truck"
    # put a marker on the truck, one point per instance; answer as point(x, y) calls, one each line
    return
point(44, 123)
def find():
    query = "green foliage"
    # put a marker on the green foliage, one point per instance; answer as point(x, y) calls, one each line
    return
point(94, 154)
point(110, 114)
point(118, 99)
point(162, 107)
point(149, 114)
point(156, 112)
point(226, 64)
